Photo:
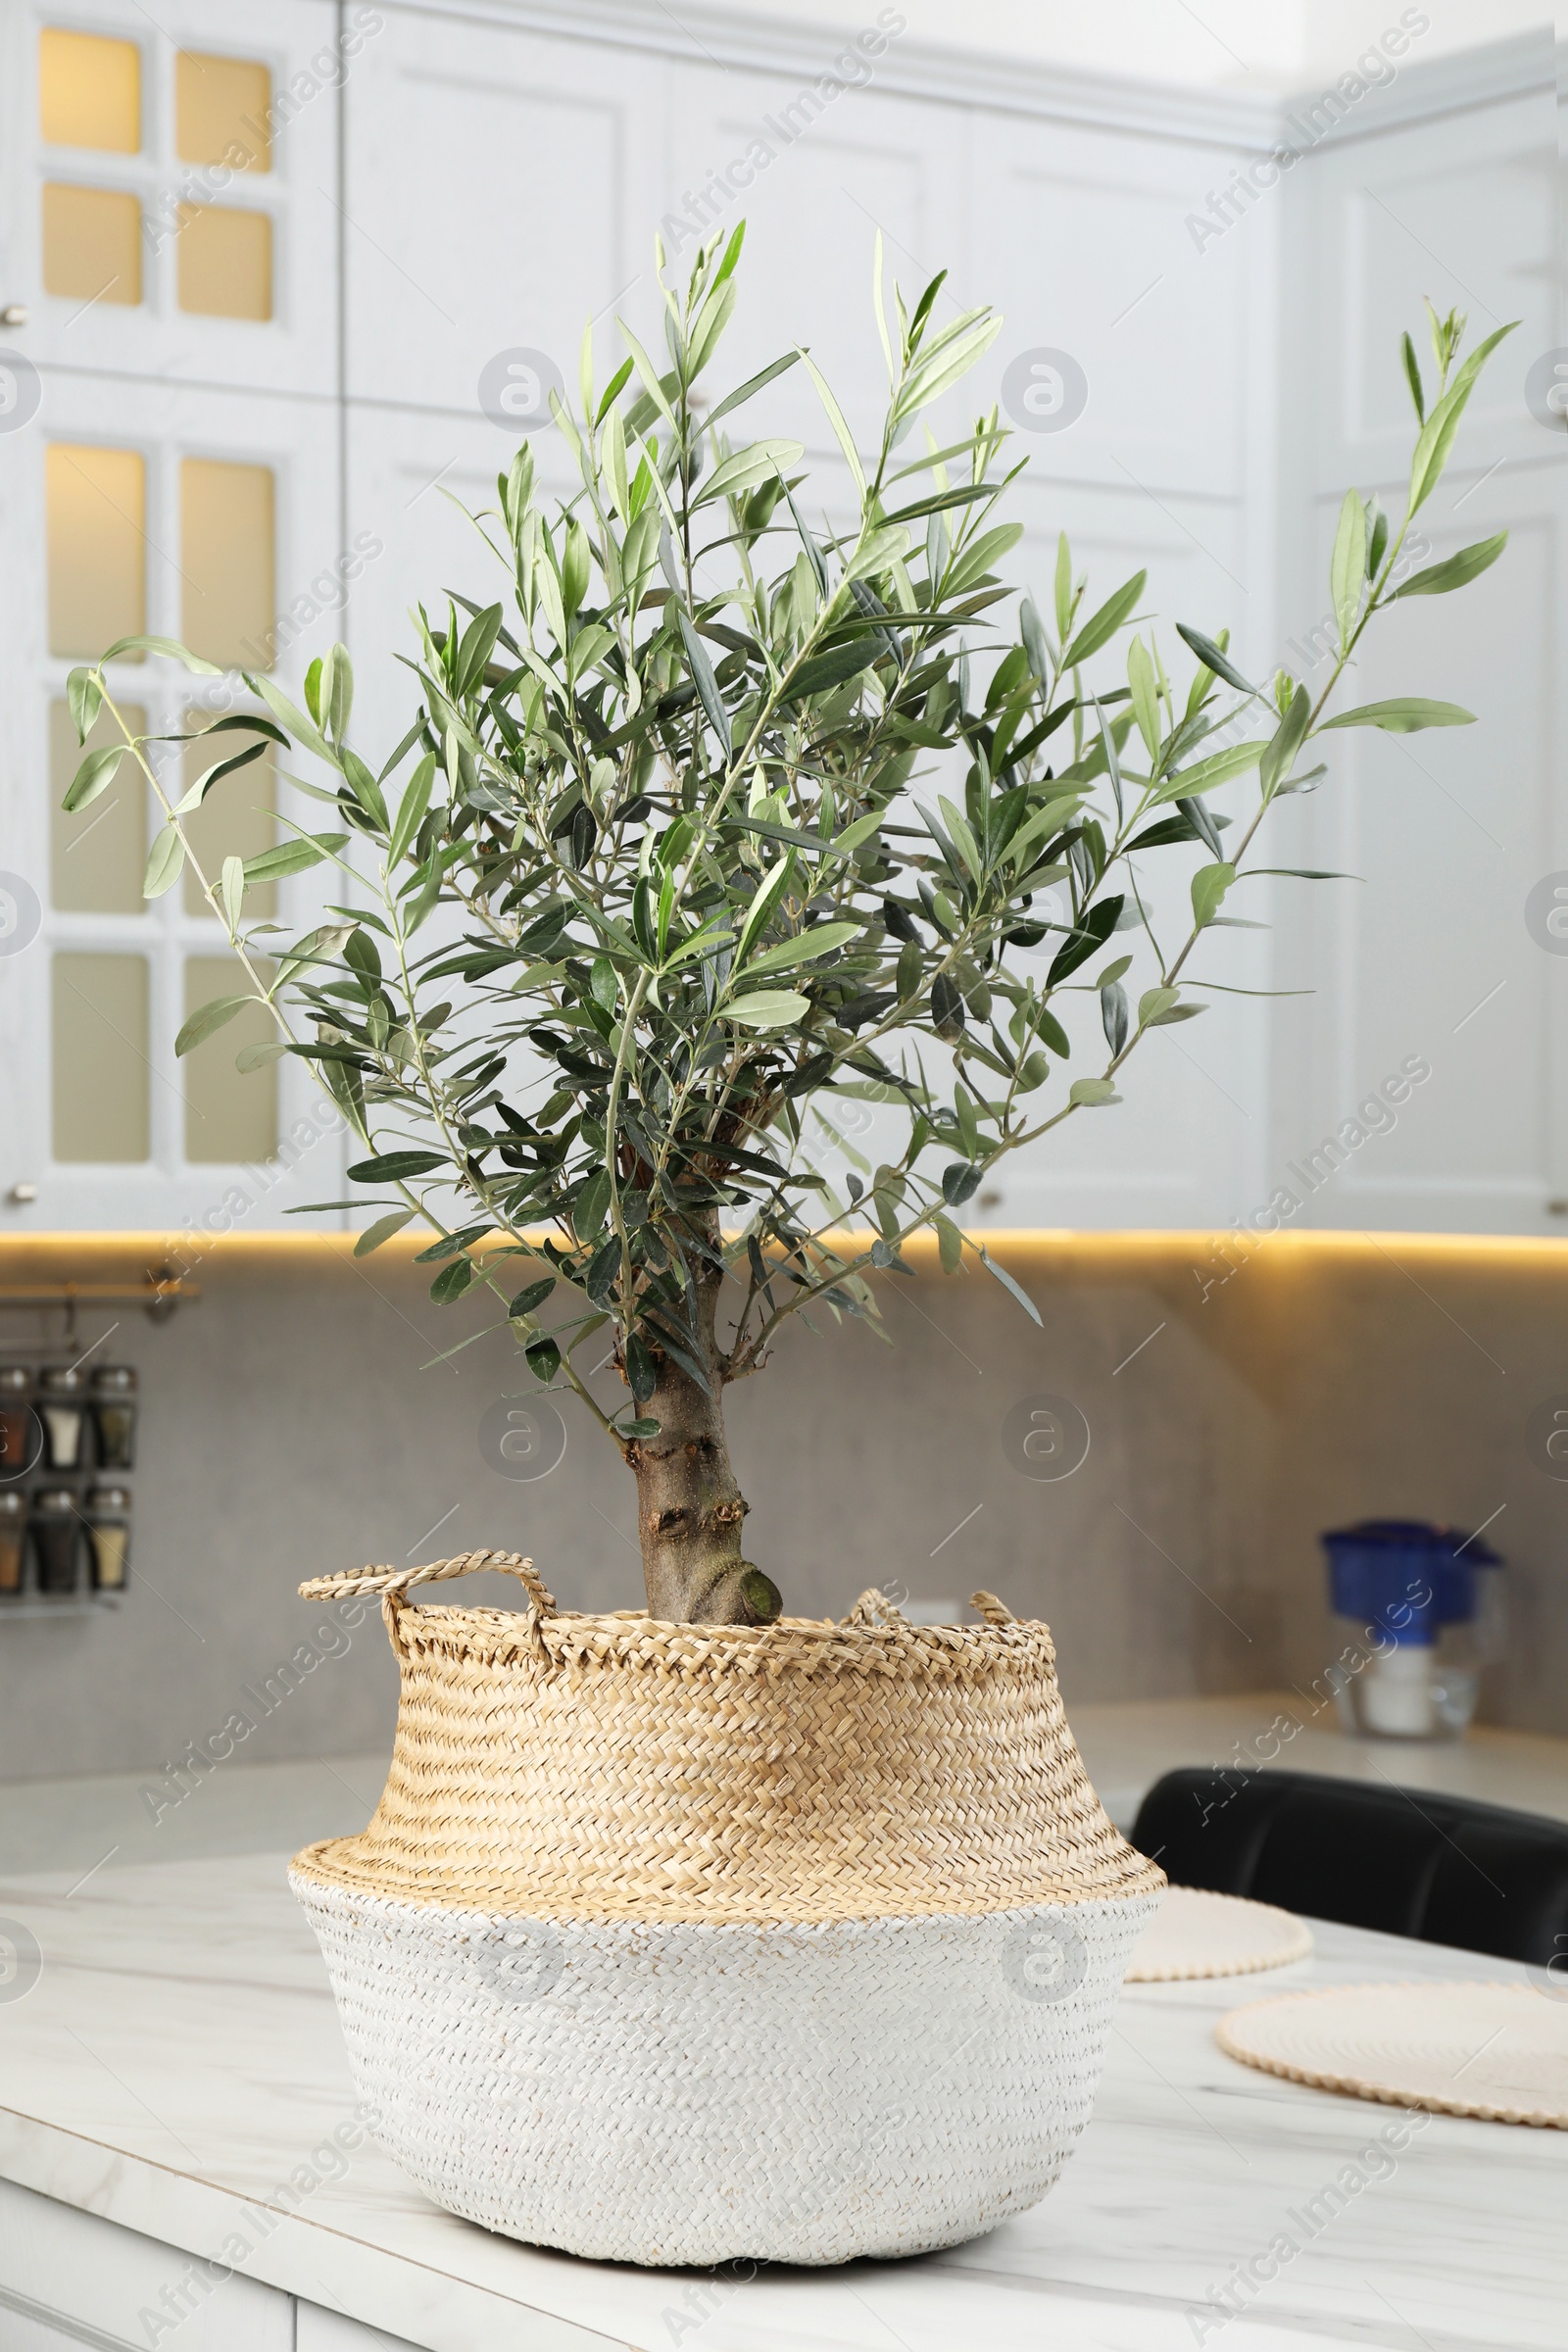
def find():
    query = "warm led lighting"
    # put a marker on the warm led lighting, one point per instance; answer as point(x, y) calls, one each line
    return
point(1062, 1248)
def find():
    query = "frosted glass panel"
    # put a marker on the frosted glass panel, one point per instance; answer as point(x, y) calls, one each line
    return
point(97, 512)
point(221, 106)
point(96, 860)
point(89, 91)
point(226, 557)
point(235, 820)
point(101, 1073)
point(91, 244)
point(225, 262)
point(228, 1116)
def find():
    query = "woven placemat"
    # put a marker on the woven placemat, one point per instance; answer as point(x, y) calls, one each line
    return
point(1196, 1934)
point(1500, 2051)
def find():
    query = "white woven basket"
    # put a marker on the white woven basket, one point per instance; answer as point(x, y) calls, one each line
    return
point(675, 1943)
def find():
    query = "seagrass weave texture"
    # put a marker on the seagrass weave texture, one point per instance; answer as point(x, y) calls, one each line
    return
point(561, 1766)
point(663, 2093)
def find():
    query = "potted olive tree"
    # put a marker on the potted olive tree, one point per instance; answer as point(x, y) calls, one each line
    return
point(712, 815)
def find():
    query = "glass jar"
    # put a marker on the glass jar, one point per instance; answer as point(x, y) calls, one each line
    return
point(114, 1412)
point(109, 1537)
point(20, 1436)
point(12, 1529)
point(63, 1411)
point(55, 1531)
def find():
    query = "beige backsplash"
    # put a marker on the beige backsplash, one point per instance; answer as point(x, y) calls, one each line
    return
point(289, 1430)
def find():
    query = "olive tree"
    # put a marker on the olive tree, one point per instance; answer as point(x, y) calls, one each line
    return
point(717, 813)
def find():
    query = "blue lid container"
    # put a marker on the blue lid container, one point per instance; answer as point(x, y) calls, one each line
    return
point(1405, 1577)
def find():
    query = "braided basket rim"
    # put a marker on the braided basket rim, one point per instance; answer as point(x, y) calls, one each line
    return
point(630, 1637)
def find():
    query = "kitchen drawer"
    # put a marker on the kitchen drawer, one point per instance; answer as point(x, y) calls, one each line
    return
point(318, 2330)
point(69, 2279)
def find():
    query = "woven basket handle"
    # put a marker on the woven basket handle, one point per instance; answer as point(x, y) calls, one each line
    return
point(393, 1583)
point(875, 1608)
point(992, 1611)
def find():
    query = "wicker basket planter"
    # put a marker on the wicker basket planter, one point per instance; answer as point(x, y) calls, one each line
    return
point(676, 1943)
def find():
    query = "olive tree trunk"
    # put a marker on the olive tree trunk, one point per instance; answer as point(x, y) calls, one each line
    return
point(690, 1511)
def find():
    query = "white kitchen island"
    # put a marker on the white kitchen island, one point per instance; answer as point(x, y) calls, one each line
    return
point(172, 2080)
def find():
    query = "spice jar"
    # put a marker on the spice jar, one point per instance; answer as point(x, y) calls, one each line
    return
point(63, 1411)
point(114, 1411)
point(20, 1440)
point(12, 1528)
point(56, 1532)
point(109, 1535)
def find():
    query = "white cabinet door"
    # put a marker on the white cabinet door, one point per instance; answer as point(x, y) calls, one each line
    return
point(814, 179)
point(168, 462)
point(192, 515)
point(1133, 372)
point(1184, 1147)
point(502, 189)
point(131, 243)
point(1461, 210)
point(1445, 950)
point(411, 473)
point(1080, 238)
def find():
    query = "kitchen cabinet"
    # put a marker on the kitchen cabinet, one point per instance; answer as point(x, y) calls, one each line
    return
point(1435, 950)
point(72, 2278)
point(443, 190)
point(170, 467)
point(222, 170)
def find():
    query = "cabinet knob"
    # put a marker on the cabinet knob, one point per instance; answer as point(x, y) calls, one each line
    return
point(20, 1195)
point(15, 314)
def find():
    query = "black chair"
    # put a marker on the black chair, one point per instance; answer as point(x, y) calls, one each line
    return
point(1405, 1862)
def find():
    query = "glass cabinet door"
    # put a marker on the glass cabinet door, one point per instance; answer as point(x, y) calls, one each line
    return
point(168, 465)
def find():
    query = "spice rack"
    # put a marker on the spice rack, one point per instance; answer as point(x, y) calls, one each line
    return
point(68, 1446)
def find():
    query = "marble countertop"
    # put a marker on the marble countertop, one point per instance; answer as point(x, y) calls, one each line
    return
point(178, 2057)
point(1126, 1746)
